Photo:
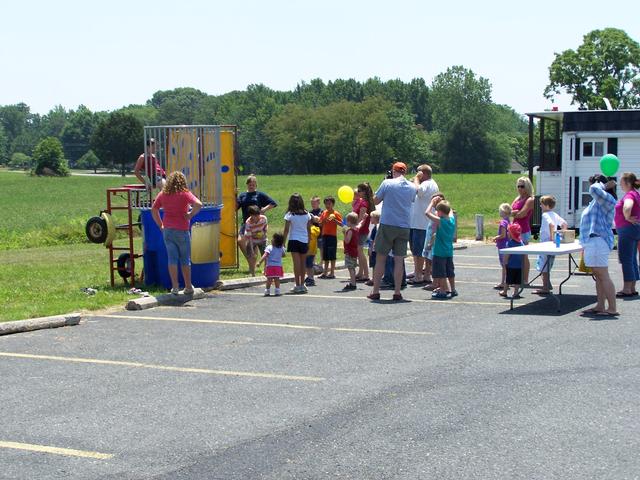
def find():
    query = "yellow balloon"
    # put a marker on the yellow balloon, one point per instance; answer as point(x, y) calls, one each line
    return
point(345, 194)
point(259, 235)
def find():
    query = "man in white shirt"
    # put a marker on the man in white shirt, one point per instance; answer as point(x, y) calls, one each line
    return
point(425, 188)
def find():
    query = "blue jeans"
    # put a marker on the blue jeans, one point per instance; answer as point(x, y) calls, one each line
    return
point(178, 243)
point(628, 238)
point(388, 272)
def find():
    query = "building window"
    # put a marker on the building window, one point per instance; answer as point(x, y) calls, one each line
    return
point(592, 149)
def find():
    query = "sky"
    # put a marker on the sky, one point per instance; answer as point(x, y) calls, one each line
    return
point(106, 55)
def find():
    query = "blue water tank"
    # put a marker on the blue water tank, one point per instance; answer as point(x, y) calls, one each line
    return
point(205, 253)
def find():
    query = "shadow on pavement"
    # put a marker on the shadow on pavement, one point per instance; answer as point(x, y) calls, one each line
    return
point(546, 306)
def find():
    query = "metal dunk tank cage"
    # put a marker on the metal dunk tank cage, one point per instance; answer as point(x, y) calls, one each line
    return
point(205, 154)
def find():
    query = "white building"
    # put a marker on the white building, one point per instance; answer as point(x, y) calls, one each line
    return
point(571, 145)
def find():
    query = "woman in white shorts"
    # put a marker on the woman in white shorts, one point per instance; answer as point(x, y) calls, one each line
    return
point(596, 236)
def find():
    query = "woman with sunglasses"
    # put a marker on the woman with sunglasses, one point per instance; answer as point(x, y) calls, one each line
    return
point(521, 211)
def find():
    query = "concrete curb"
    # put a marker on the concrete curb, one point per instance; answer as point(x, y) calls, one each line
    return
point(19, 326)
point(145, 303)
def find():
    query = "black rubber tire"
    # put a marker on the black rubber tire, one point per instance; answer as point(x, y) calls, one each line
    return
point(124, 265)
point(96, 230)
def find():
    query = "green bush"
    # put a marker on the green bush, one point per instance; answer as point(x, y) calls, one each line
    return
point(49, 158)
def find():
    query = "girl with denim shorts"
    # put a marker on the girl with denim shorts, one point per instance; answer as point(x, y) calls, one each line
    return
point(179, 206)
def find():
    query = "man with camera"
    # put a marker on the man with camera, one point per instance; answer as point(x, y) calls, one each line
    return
point(395, 222)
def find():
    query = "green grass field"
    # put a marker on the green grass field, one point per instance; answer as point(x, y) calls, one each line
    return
point(47, 260)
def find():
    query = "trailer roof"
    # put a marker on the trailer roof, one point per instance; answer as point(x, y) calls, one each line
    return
point(593, 120)
point(551, 115)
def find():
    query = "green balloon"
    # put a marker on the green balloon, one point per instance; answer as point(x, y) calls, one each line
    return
point(609, 164)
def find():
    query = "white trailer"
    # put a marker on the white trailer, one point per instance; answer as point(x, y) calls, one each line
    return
point(569, 151)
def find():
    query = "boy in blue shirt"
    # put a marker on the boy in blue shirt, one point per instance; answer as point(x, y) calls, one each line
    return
point(513, 262)
point(444, 224)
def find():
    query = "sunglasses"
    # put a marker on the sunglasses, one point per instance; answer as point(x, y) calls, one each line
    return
point(520, 186)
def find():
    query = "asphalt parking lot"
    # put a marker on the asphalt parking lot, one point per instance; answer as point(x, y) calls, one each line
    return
point(331, 385)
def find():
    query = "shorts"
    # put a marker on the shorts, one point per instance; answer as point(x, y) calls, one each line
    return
point(394, 238)
point(442, 267)
point(350, 262)
point(308, 262)
point(363, 240)
point(514, 276)
point(241, 231)
point(372, 259)
point(526, 238)
point(416, 241)
point(296, 246)
point(596, 252)
point(274, 271)
point(178, 243)
point(329, 247)
point(540, 264)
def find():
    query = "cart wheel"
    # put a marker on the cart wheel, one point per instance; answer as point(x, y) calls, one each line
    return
point(124, 265)
point(111, 229)
point(96, 230)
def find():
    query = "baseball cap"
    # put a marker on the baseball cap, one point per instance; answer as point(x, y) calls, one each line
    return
point(399, 167)
point(515, 231)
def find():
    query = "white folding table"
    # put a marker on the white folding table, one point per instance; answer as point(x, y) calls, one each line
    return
point(549, 249)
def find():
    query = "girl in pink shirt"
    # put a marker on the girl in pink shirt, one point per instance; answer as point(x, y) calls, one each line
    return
point(179, 205)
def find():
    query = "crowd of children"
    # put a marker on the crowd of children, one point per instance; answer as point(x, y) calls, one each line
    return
point(308, 232)
point(510, 235)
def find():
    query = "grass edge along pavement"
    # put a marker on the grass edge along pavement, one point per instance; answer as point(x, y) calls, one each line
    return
point(48, 279)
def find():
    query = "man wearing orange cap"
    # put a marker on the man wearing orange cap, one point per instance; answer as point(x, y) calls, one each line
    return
point(395, 222)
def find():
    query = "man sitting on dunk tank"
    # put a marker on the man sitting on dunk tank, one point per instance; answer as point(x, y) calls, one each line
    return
point(150, 173)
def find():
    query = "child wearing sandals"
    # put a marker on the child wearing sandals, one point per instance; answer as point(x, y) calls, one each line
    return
point(548, 226)
point(513, 262)
point(501, 240)
point(273, 257)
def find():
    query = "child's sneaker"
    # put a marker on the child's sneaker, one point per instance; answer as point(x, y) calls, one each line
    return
point(175, 291)
point(439, 296)
point(348, 287)
point(453, 293)
point(267, 292)
point(309, 282)
point(277, 292)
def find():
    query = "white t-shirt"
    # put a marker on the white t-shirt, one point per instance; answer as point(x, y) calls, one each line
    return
point(547, 219)
point(298, 229)
point(274, 259)
point(423, 196)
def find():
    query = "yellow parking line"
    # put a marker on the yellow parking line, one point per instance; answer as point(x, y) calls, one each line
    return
point(344, 297)
point(259, 324)
point(221, 322)
point(70, 452)
point(163, 367)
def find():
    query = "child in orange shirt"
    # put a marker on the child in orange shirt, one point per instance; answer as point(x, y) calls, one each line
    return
point(329, 220)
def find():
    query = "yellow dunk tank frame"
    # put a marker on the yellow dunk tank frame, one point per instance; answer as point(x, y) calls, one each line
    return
point(206, 155)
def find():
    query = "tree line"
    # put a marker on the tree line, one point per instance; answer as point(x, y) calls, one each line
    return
point(340, 126)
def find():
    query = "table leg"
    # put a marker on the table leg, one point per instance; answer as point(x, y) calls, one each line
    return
point(569, 273)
